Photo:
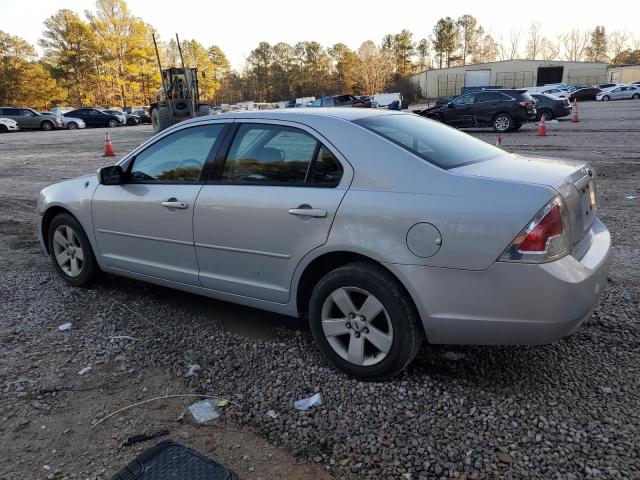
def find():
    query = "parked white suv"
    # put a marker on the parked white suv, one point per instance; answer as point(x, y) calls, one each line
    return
point(8, 125)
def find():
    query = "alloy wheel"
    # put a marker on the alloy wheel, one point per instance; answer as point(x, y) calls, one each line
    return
point(72, 126)
point(47, 126)
point(357, 326)
point(68, 250)
point(502, 123)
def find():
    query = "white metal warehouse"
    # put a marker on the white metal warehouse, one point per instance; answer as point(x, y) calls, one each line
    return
point(507, 74)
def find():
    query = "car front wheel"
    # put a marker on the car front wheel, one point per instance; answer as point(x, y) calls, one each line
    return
point(47, 126)
point(71, 252)
point(635, 96)
point(606, 98)
point(502, 123)
point(72, 126)
point(363, 320)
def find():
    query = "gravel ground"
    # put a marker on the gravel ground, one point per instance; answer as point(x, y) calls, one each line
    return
point(567, 410)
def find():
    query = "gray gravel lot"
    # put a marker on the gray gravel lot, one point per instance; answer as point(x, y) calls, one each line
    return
point(567, 410)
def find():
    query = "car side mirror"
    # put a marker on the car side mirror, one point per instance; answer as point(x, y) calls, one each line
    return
point(111, 175)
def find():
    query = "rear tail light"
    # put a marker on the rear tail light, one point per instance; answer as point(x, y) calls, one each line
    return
point(544, 239)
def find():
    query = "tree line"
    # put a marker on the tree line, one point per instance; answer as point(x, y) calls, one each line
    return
point(107, 58)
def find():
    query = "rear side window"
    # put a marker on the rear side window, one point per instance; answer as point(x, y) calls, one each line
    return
point(438, 144)
point(275, 154)
point(490, 97)
point(10, 111)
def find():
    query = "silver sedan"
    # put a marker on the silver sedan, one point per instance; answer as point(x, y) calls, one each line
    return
point(382, 229)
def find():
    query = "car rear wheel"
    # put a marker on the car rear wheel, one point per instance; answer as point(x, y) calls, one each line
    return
point(71, 252)
point(363, 320)
point(113, 123)
point(46, 126)
point(502, 122)
point(72, 126)
point(606, 98)
point(548, 114)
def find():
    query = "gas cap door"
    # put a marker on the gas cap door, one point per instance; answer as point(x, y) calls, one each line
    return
point(424, 240)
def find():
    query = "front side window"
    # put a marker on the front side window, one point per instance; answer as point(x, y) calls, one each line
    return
point(178, 157)
point(436, 143)
point(275, 154)
point(465, 99)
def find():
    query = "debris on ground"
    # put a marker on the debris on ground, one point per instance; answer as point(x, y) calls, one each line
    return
point(626, 296)
point(84, 370)
point(123, 337)
point(307, 403)
point(605, 390)
point(223, 402)
point(454, 356)
point(631, 197)
point(194, 369)
point(144, 436)
point(272, 414)
point(204, 410)
point(65, 326)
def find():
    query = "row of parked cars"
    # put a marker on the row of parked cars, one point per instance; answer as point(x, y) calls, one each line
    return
point(508, 109)
point(14, 119)
point(602, 91)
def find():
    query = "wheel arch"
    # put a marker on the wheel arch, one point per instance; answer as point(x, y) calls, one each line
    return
point(49, 214)
point(326, 262)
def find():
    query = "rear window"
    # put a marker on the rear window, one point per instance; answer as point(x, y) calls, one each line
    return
point(438, 144)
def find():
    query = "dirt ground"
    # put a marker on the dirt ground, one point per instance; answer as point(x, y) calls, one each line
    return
point(48, 409)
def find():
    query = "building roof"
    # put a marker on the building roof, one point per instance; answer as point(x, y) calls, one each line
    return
point(469, 65)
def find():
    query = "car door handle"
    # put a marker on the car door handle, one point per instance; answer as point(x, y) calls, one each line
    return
point(173, 203)
point(308, 212)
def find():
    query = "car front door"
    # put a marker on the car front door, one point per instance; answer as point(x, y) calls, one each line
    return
point(30, 119)
point(145, 225)
point(270, 202)
point(459, 112)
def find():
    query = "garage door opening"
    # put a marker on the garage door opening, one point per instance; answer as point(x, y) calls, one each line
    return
point(547, 75)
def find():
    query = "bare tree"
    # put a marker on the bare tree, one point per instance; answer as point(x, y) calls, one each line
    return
point(509, 47)
point(618, 42)
point(575, 44)
point(534, 41)
point(550, 49)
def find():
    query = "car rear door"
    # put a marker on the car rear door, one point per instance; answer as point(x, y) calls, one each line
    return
point(486, 106)
point(270, 202)
point(145, 225)
point(459, 112)
point(14, 114)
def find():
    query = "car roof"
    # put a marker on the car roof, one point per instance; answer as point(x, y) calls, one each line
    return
point(309, 114)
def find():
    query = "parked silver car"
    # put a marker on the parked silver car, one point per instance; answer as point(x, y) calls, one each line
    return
point(69, 123)
point(382, 228)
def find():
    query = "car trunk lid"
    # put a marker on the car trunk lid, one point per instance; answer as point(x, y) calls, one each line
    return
point(574, 181)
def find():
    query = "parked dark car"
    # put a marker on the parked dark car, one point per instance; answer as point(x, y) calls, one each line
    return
point(503, 109)
point(28, 118)
point(141, 112)
point(583, 94)
point(341, 101)
point(550, 106)
point(94, 118)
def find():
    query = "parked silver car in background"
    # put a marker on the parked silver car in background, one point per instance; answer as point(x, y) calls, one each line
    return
point(382, 228)
point(69, 123)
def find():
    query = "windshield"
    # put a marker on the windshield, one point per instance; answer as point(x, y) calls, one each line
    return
point(438, 144)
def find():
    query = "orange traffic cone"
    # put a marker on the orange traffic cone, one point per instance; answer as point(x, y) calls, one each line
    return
point(108, 148)
point(498, 140)
point(575, 118)
point(542, 127)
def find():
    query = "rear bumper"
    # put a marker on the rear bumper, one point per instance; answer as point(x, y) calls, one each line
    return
point(510, 303)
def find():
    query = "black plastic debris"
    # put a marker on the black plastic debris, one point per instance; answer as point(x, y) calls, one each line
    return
point(169, 460)
point(144, 436)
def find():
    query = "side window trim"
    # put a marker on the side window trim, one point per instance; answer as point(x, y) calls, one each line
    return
point(215, 177)
point(206, 168)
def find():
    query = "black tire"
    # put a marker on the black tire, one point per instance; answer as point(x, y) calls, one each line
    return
point(548, 114)
point(204, 110)
point(606, 98)
point(407, 330)
point(3, 128)
point(160, 118)
point(89, 270)
point(113, 123)
point(502, 122)
point(72, 126)
point(47, 126)
point(635, 96)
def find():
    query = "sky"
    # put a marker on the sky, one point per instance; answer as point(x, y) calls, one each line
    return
point(237, 26)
